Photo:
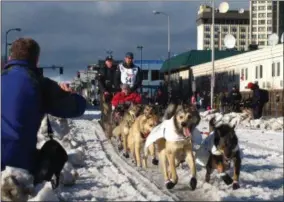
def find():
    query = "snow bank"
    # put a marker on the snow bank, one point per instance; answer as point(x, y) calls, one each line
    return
point(244, 120)
point(65, 133)
point(46, 193)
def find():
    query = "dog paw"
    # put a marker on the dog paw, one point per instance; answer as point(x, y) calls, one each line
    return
point(193, 183)
point(227, 179)
point(126, 155)
point(207, 178)
point(170, 184)
point(236, 185)
point(155, 161)
point(119, 147)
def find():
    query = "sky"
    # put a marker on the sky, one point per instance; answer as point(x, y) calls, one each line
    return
point(75, 34)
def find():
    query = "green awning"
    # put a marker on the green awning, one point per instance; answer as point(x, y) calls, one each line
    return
point(194, 57)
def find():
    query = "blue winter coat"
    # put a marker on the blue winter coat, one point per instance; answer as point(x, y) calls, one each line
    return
point(24, 103)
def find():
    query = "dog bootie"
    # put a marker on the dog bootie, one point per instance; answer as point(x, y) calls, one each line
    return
point(236, 185)
point(227, 179)
point(170, 184)
point(155, 161)
point(119, 147)
point(126, 155)
point(193, 183)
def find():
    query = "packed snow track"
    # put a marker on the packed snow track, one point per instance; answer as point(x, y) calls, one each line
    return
point(107, 175)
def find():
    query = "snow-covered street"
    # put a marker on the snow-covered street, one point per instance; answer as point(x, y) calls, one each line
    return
point(106, 175)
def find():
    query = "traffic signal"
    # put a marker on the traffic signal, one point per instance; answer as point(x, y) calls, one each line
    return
point(60, 70)
point(78, 75)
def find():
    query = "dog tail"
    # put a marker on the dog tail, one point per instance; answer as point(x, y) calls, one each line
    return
point(49, 129)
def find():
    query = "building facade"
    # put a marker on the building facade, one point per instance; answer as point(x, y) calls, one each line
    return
point(232, 22)
point(266, 17)
point(151, 74)
point(264, 66)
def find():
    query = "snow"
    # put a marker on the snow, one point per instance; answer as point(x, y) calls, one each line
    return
point(108, 176)
point(105, 176)
point(244, 120)
point(101, 173)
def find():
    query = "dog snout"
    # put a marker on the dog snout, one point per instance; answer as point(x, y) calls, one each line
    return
point(183, 124)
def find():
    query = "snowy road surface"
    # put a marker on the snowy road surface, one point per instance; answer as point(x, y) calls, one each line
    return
point(108, 176)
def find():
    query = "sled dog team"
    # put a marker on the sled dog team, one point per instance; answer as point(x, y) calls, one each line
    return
point(142, 131)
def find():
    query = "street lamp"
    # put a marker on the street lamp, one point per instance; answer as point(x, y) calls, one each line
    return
point(140, 47)
point(223, 8)
point(6, 42)
point(169, 42)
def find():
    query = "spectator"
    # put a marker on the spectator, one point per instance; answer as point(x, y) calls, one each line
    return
point(259, 98)
point(26, 97)
point(235, 98)
point(198, 101)
point(223, 102)
point(206, 100)
point(193, 99)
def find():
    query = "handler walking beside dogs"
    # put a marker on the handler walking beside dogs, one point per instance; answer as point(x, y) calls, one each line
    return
point(107, 86)
point(26, 97)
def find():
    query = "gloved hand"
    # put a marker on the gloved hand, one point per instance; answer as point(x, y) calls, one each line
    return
point(107, 96)
point(16, 184)
point(65, 87)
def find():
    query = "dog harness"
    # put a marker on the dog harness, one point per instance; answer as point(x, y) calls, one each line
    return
point(207, 146)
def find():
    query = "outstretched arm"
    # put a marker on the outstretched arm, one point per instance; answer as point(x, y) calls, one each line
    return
point(61, 103)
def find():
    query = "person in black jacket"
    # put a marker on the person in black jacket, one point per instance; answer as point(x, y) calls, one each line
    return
point(107, 86)
point(258, 100)
point(128, 73)
point(235, 98)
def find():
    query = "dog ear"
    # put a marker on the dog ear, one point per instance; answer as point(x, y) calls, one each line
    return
point(179, 107)
point(212, 122)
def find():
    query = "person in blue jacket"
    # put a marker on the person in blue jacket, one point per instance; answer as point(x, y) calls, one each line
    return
point(25, 97)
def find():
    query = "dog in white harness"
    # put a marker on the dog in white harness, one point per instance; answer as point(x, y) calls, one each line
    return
point(174, 141)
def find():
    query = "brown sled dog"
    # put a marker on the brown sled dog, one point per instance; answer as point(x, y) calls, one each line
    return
point(138, 134)
point(183, 117)
point(122, 130)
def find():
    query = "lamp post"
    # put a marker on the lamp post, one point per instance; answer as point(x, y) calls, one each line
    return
point(212, 54)
point(6, 41)
point(169, 42)
point(140, 47)
point(223, 8)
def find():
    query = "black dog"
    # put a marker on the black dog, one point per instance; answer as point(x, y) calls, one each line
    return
point(50, 160)
point(226, 141)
